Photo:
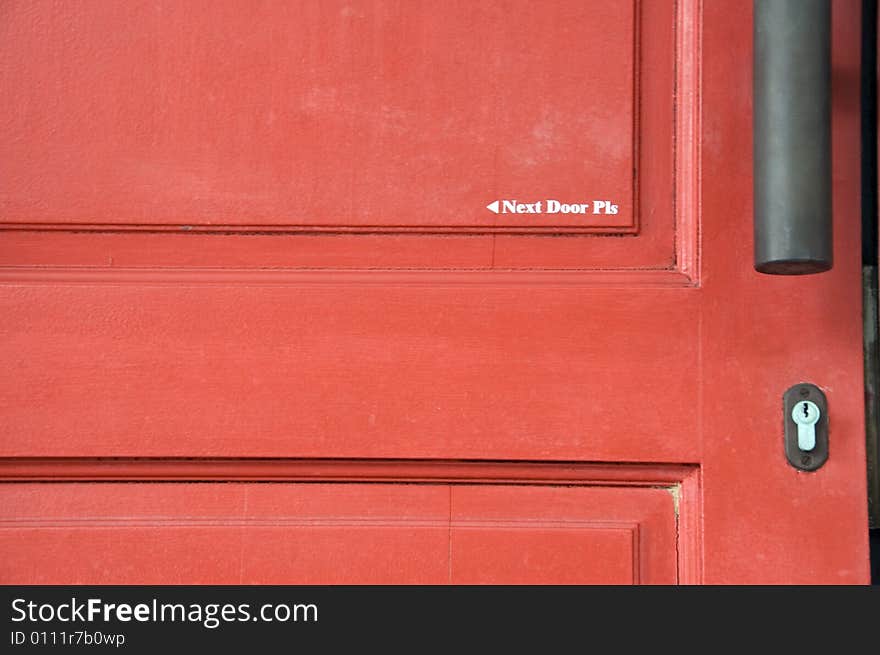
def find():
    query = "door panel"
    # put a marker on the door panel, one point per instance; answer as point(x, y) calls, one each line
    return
point(307, 371)
point(344, 118)
point(333, 534)
point(319, 114)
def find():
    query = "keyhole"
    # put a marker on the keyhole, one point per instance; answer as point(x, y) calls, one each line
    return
point(806, 410)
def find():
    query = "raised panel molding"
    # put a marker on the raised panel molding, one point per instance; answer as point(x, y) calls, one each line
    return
point(681, 481)
point(661, 248)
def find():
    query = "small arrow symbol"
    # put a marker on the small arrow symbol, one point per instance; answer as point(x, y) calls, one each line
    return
point(493, 206)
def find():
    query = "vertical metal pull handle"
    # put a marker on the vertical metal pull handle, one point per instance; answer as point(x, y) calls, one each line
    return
point(792, 136)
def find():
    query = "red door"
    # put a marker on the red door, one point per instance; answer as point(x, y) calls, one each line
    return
point(323, 250)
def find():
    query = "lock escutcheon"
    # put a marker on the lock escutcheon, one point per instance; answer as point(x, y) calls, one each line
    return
point(805, 417)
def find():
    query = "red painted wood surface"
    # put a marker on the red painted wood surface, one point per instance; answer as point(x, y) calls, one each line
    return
point(548, 535)
point(329, 113)
point(174, 282)
point(334, 534)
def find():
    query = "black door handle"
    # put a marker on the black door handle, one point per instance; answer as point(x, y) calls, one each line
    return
point(792, 136)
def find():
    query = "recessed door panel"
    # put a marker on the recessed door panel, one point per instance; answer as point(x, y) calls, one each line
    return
point(82, 533)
